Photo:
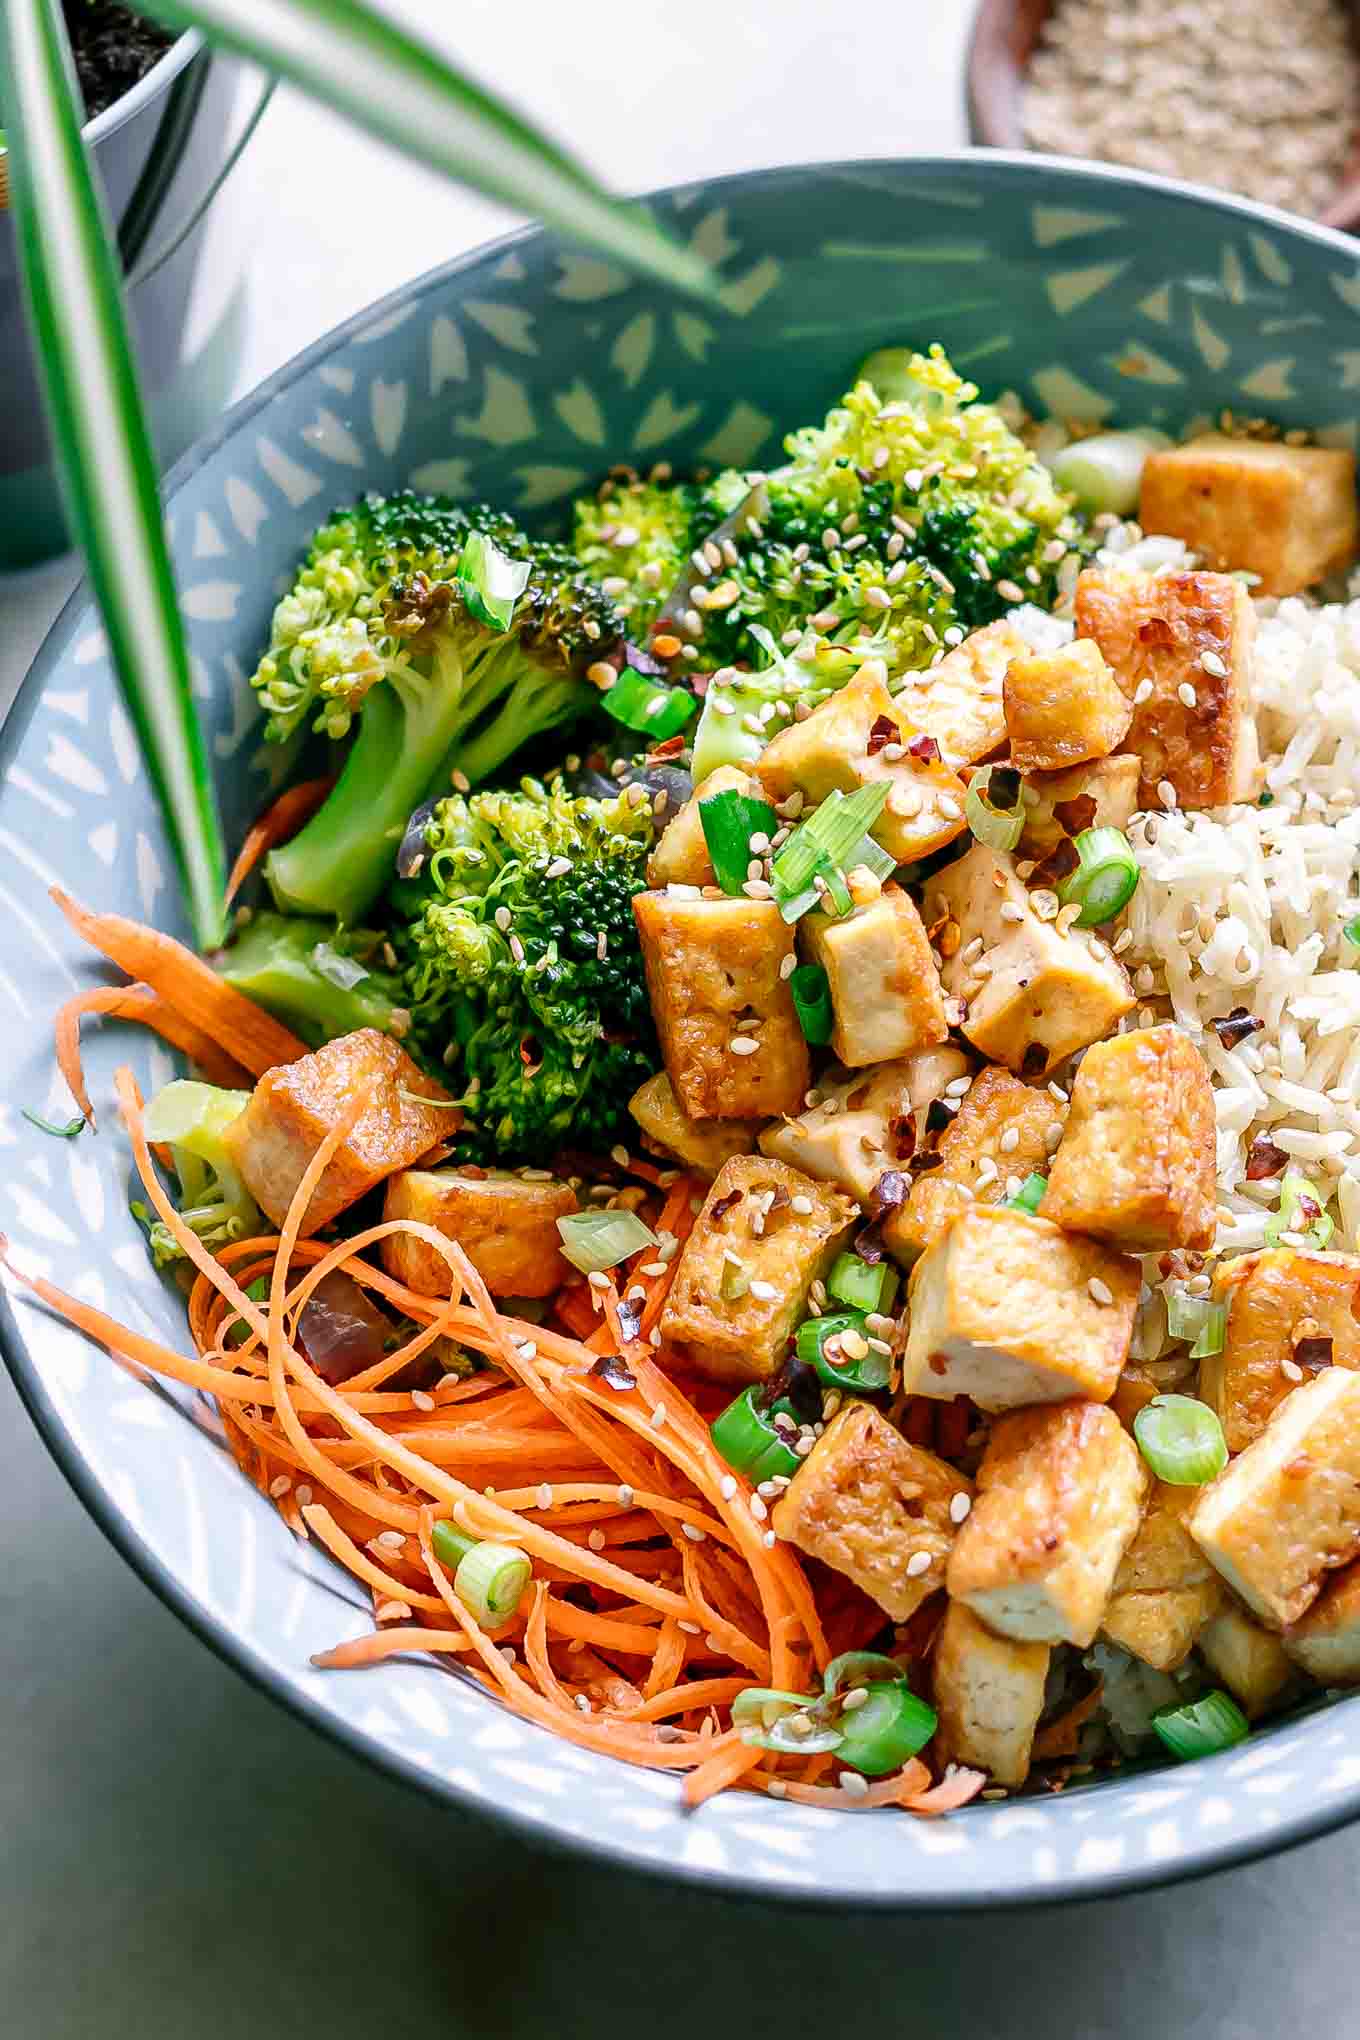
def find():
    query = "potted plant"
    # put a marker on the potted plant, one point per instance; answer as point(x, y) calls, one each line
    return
point(165, 120)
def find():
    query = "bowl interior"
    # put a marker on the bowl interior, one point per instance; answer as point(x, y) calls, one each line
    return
point(520, 373)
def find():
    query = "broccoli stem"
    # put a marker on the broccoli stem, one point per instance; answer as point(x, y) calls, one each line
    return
point(274, 962)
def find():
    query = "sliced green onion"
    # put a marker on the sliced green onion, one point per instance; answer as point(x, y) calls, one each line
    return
point(1105, 472)
point(999, 828)
point(67, 1130)
point(1202, 1728)
point(864, 1375)
point(857, 1668)
point(729, 820)
point(1212, 1334)
point(766, 1704)
point(788, 1736)
point(864, 1285)
point(823, 843)
point(1181, 1439)
point(488, 1578)
point(836, 897)
point(1300, 1212)
point(811, 989)
point(734, 1282)
point(891, 1725)
point(596, 1240)
point(1029, 1196)
point(640, 704)
point(1105, 879)
point(490, 582)
point(873, 857)
point(1351, 931)
point(745, 1435)
point(1186, 1315)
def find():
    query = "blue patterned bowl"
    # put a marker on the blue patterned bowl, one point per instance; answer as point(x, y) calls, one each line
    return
point(520, 372)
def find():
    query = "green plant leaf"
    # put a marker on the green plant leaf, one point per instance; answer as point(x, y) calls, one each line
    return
point(99, 430)
point(387, 80)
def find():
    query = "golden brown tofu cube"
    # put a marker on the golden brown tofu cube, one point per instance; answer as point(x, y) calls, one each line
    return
point(1286, 513)
point(863, 1127)
point(885, 988)
point(989, 1694)
point(765, 1235)
point(1001, 1131)
point(1032, 996)
point(1102, 794)
point(681, 856)
point(295, 1106)
point(866, 1502)
point(1136, 1166)
point(1286, 1511)
point(702, 1144)
point(1063, 708)
point(1165, 1589)
point(858, 737)
point(1059, 1501)
point(958, 702)
point(506, 1226)
point(1288, 1309)
point(1249, 1660)
point(730, 1036)
point(1009, 1309)
point(1326, 1642)
point(1164, 632)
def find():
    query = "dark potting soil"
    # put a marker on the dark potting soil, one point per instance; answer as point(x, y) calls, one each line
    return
point(113, 49)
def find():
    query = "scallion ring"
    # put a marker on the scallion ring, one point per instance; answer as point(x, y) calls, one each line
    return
point(811, 989)
point(1029, 1196)
point(862, 1370)
point(1301, 1212)
point(857, 1668)
point(864, 1285)
point(1198, 1319)
point(594, 1241)
point(488, 1578)
point(640, 704)
point(891, 1725)
point(1203, 1728)
point(490, 582)
point(1181, 1439)
point(747, 1438)
point(1105, 879)
point(1000, 828)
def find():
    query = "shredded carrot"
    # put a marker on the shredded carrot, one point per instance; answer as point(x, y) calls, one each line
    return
point(256, 1040)
point(139, 1003)
point(1061, 1736)
point(731, 1759)
point(280, 821)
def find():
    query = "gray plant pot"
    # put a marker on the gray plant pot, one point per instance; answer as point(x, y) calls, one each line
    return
point(163, 153)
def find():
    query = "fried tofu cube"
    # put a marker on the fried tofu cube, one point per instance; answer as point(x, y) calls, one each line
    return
point(1164, 632)
point(1063, 708)
point(1059, 1501)
point(1326, 1641)
point(863, 1128)
point(1165, 1589)
point(729, 1030)
point(1250, 1661)
point(1137, 1162)
point(295, 1106)
point(1009, 1309)
point(1000, 1121)
point(1101, 794)
point(859, 737)
point(1033, 996)
point(681, 855)
point(506, 1226)
point(702, 1144)
point(989, 1694)
point(1287, 1306)
point(885, 988)
point(1286, 513)
point(742, 1282)
point(866, 1502)
point(1287, 1510)
point(958, 702)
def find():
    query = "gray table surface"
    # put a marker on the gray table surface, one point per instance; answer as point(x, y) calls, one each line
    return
point(178, 1856)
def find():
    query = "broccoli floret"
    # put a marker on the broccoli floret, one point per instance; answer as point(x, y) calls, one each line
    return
point(632, 537)
point(450, 638)
point(213, 1200)
point(322, 983)
point(523, 971)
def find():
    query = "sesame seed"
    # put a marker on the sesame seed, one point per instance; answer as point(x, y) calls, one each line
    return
point(690, 1628)
point(727, 1487)
point(625, 1496)
point(390, 1540)
point(596, 1540)
point(949, 806)
point(1142, 692)
point(776, 1788)
point(1011, 912)
point(502, 918)
point(1166, 793)
point(1187, 694)
point(1098, 1291)
point(1009, 592)
point(601, 946)
point(658, 1416)
point(742, 1044)
point(652, 1268)
point(545, 1496)
point(764, 1292)
point(769, 1540)
point(279, 1486)
point(597, 1279)
point(959, 1507)
point(856, 1697)
point(421, 1400)
point(1291, 1370)
point(1010, 1140)
point(853, 1784)
point(460, 782)
point(758, 1509)
point(1211, 663)
point(583, 1703)
point(918, 1563)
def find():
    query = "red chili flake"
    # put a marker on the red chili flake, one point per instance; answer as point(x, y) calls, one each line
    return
point(1314, 1354)
point(1236, 1027)
point(889, 1191)
point(869, 1245)
point(724, 1205)
point(902, 1136)
point(670, 747)
point(1075, 815)
point(530, 1054)
point(931, 1158)
point(1034, 1061)
point(1307, 1209)
point(883, 731)
point(613, 1370)
point(1264, 1159)
point(924, 748)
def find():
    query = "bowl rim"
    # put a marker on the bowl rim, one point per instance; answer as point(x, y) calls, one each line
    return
point(1197, 1860)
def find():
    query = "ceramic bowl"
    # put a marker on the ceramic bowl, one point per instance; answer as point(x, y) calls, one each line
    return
point(520, 372)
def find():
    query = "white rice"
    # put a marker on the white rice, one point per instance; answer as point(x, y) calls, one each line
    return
point(1246, 906)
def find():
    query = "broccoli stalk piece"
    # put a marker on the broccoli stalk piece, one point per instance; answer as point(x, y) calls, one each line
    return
point(191, 1118)
point(450, 639)
point(523, 971)
point(320, 983)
